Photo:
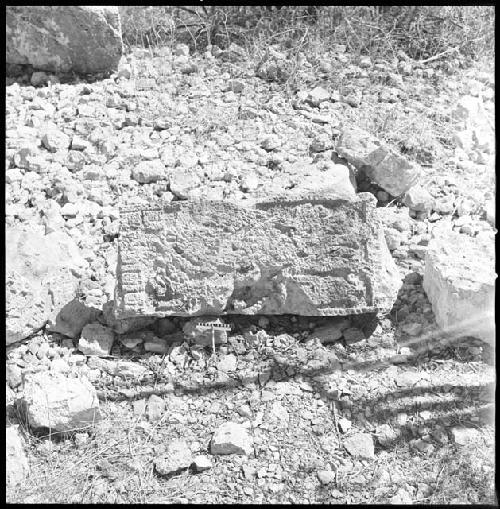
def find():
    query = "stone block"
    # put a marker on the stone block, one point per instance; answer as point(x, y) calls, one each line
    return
point(308, 256)
point(459, 281)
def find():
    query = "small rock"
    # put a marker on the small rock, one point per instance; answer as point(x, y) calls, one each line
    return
point(344, 424)
point(182, 182)
point(464, 436)
point(422, 446)
point(419, 199)
point(202, 463)
point(326, 476)
point(177, 457)
point(72, 318)
point(55, 140)
point(236, 86)
point(401, 497)
point(13, 375)
point(318, 95)
point(385, 435)
point(147, 172)
point(231, 438)
point(271, 143)
point(182, 50)
point(156, 407)
point(96, 339)
point(139, 407)
point(394, 173)
point(360, 445)
point(227, 363)
point(81, 439)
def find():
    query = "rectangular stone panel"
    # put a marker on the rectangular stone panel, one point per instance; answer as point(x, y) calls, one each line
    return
point(312, 257)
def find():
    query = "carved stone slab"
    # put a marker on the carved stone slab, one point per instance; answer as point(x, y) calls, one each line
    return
point(313, 257)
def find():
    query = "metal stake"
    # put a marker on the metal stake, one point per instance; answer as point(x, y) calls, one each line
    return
point(213, 341)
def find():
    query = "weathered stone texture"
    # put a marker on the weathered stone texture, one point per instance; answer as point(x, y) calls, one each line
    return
point(459, 280)
point(39, 279)
point(53, 401)
point(84, 39)
point(308, 257)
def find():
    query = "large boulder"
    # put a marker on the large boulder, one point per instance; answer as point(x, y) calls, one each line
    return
point(308, 256)
point(459, 280)
point(53, 401)
point(40, 278)
point(83, 39)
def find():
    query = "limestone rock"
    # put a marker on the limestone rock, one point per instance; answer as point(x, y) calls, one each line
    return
point(202, 463)
point(326, 476)
point(355, 144)
point(391, 171)
point(147, 172)
point(360, 445)
point(40, 279)
point(156, 407)
point(84, 39)
point(315, 256)
point(318, 95)
point(17, 466)
point(465, 436)
point(231, 438)
point(72, 318)
point(182, 182)
point(419, 199)
point(96, 339)
point(459, 281)
point(177, 457)
point(56, 402)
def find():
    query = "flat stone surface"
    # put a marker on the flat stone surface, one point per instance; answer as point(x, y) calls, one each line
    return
point(314, 256)
point(459, 281)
